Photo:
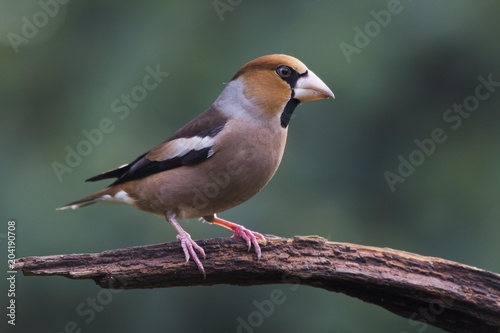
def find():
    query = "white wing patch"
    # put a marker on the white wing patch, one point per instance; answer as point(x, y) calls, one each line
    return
point(119, 197)
point(182, 146)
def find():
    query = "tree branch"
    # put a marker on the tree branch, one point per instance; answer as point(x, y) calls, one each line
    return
point(442, 293)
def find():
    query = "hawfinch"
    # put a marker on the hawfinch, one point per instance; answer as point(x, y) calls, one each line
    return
point(221, 158)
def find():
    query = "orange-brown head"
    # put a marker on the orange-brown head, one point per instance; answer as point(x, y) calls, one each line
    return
point(271, 86)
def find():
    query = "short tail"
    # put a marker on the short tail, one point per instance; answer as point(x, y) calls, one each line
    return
point(109, 194)
point(80, 203)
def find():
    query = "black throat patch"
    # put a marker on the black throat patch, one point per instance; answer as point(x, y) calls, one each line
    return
point(286, 115)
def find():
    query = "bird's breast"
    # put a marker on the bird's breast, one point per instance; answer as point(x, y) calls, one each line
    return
point(245, 164)
point(244, 161)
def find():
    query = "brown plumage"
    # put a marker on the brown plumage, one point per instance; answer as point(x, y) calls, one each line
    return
point(221, 158)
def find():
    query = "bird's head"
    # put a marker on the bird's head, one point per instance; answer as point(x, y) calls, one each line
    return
point(272, 86)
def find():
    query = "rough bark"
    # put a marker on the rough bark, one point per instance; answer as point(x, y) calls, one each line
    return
point(438, 292)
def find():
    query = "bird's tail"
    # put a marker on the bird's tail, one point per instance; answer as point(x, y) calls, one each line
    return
point(81, 202)
point(109, 194)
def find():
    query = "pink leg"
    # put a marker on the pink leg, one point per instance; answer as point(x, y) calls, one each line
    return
point(189, 246)
point(250, 237)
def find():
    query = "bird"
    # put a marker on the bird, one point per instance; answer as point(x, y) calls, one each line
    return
point(221, 158)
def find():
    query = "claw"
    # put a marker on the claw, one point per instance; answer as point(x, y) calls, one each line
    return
point(190, 247)
point(250, 237)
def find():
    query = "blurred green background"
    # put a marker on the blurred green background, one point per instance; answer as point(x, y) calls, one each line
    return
point(62, 77)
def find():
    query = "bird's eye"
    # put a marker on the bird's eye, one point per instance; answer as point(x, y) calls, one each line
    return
point(284, 71)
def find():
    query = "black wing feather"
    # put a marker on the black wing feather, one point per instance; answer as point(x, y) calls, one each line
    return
point(115, 173)
point(145, 167)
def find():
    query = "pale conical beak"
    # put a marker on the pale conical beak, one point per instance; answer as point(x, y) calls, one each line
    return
point(310, 88)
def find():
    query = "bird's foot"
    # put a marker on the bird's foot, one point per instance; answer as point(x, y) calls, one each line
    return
point(250, 237)
point(190, 247)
